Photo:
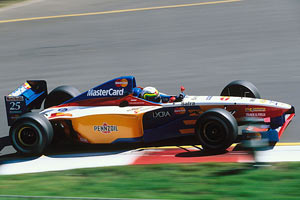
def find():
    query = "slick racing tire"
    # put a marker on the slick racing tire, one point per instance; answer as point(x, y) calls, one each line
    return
point(31, 134)
point(216, 129)
point(59, 95)
point(241, 88)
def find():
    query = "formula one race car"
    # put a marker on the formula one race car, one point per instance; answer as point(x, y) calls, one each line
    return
point(115, 111)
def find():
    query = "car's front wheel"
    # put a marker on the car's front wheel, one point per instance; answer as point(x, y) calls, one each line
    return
point(216, 129)
point(241, 88)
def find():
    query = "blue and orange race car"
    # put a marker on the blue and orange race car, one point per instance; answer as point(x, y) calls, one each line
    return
point(115, 112)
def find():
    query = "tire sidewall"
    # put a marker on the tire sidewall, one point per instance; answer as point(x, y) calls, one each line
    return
point(229, 126)
point(42, 128)
point(243, 85)
point(38, 147)
point(60, 95)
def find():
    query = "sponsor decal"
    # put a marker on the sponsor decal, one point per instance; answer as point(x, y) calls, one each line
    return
point(255, 109)
point(15, 105)
point(161, 114)
point(109, 92)
point(258, 129)
point(106, 128)
point(195, 112)
point(121, 82)
point(14, 116)
point(137, 103)
point(179, 111)
point(13, 98)
point(262, 101)
point(188, 103)
point(26, 85)
point(255, 114)
point(20, 90)
point(135, 110)
point(224, 98)
point(60, 115)
point(62, 109)
point(209, 98)
point(81, 139)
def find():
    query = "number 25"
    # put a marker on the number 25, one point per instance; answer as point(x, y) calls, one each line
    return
point(15, 105)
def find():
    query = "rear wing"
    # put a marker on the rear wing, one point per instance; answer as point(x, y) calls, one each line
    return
point(28, 96)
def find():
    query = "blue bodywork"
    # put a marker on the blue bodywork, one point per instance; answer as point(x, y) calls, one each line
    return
point(164, 123)
point(110, 89)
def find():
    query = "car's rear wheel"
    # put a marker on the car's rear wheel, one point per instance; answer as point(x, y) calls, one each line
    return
point(60, 95)
point(216, 129)
point(31, 134)
point(241, 88)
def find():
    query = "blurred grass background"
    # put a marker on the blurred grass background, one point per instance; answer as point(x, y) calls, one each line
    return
point(9, 2)
point(169, 181)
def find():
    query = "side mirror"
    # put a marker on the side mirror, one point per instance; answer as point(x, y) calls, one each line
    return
point(182, 88)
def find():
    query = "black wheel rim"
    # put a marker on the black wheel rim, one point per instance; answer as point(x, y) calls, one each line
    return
point(214, 132)
point(27, 136)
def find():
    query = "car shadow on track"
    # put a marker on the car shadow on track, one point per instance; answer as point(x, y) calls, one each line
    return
point(88, 150)
point(68, 150)
point(200, 153)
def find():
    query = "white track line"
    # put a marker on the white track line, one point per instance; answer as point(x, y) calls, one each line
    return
point(279, 154)
point(66, 162)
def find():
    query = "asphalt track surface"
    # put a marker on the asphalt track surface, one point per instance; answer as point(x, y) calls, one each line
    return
point(165, 44)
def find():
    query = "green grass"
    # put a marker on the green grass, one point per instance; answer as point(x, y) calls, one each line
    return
point(9, 2)
point(172, 181)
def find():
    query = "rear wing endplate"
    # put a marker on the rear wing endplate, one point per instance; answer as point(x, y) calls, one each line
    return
point(28, 96)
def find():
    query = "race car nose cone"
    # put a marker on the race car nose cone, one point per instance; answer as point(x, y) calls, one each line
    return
point(291, 111)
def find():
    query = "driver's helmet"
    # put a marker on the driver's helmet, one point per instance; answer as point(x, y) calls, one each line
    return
point(150, 94)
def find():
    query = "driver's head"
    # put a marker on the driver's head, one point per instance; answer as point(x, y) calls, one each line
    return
point(150, 94)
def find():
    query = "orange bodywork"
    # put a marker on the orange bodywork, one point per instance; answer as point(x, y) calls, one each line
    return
point(108, 128)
